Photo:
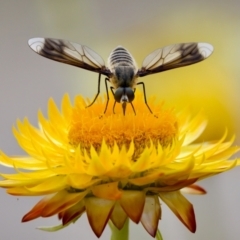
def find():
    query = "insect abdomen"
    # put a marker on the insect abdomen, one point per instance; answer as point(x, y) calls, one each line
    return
point(121, 57)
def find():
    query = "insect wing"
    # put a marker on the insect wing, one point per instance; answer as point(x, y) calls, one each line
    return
point(174, 56)
point(69, 53)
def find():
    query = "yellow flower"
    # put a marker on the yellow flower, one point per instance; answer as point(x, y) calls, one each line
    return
point(114, 167)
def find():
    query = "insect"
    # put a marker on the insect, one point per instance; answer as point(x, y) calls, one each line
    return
point(122, 71)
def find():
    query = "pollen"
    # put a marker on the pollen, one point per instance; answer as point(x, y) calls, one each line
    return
point(89, 127)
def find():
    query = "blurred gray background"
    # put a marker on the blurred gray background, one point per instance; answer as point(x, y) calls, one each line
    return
point(28, 80)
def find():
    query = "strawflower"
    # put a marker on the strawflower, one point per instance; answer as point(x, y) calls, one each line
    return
point(114, 167)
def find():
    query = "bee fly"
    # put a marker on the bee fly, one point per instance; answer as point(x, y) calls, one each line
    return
point(122, 71)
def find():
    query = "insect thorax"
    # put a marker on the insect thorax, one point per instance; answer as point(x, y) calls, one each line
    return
point(123, 67)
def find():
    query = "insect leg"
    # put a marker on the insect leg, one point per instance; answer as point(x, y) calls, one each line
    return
point(133, 108)
point(112, 91)
point(144, 92)
point(132, 104)
point(99, 81)
point(114, 107)
point(115, 100)
point(106, 79)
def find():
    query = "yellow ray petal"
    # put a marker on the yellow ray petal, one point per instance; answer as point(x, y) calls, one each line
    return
point(141, 181)
point(66, 108)
point(80, 181)
point(22, 191)
point(52, 184)
point(142, 163)
point(194, 128)
point(119, 172)
point(226, 154)
point(19, 183)
point(37, 175)
point(54, 115)
point(95, 165)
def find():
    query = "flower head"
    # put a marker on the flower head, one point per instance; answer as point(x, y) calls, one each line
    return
point(113, 167)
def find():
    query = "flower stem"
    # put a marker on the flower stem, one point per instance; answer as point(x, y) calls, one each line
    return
point(120, 234)
point(159, 235)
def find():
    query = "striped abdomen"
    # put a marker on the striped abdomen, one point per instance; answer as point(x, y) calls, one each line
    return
point(121, 57)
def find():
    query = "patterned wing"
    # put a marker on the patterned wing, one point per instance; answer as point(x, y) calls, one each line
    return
point(174, 56)
point(69, 53)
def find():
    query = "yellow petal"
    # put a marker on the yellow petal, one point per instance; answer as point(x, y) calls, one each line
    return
point(119, 172)
point(81, 181)
point(124, 158)
point(18, 183)
point(194, 128)
point(66, 108)
point(52, 184)
point(37, 175)
point(53, 113)
point(95, 165)
point(22, 162)
point(224, 154)
point(22, 191)
point(141, 181)
point(143, 162)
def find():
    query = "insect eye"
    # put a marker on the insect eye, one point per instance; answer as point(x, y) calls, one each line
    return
point(130, 94)
point(118, 94)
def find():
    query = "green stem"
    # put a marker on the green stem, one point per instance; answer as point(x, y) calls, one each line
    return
point(120, 234)
point(159, 235)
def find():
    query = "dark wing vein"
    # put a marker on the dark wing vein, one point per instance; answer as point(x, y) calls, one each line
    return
point(174, 56)
point(69, 53)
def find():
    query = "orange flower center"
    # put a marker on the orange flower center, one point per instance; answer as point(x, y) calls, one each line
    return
point(89, 127)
